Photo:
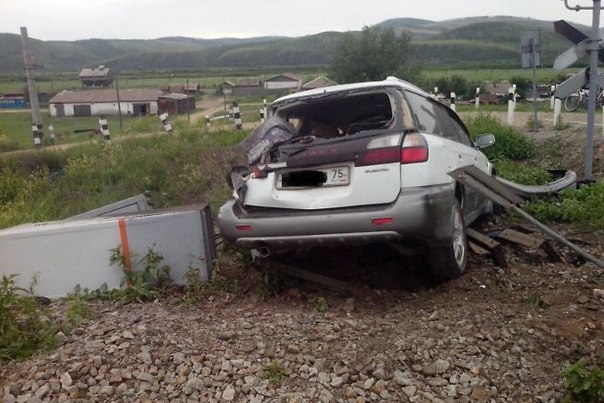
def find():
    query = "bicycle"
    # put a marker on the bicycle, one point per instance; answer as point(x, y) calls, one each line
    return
point(574, 100)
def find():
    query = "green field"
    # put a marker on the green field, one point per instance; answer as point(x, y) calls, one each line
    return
point(209, 81)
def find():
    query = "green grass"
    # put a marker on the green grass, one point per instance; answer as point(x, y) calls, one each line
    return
point(25, 327)
point(583, 207)
point(188, 167)
point(544, 75)
point(16, 128)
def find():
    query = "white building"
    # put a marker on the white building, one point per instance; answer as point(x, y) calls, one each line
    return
point(104, 102)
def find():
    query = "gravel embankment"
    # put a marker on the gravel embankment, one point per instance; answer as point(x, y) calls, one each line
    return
point(492, 335)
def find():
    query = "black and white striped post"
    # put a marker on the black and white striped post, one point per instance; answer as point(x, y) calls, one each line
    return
point(104, 128)
point(51, 133)
point(163, 117)
point(230, 110)
point(263, 111)
point(477, 99)
point(435, 94)
point(37, 133)
point(511, 105)
point(452, 98)
point(207, 117)
point(551, 99)
point(237, 116)
point(557, 111)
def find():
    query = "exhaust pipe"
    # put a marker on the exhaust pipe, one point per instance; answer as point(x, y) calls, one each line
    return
point(263, 251)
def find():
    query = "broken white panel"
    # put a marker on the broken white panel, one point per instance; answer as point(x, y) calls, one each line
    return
point(53, 257)
point(570, 56)
point(131, 205)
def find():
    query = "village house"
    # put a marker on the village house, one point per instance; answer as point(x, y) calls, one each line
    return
point(133, 102)
point(96, 77)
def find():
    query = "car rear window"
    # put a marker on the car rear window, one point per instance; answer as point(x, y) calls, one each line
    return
point(341, 114)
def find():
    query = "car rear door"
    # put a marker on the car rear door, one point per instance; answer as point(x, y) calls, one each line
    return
point(359, 168)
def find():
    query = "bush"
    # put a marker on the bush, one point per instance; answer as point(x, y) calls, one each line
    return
point(583, 206)
point(24, 326)
point(584, 383)
point(523, 173)
point(509, 144)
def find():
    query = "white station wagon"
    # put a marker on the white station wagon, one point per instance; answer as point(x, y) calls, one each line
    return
point(357, 164)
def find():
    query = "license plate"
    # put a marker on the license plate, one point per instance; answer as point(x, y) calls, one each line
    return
point(336, 176)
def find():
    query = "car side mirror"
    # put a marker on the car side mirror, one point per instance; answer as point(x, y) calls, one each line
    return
point(484, 140)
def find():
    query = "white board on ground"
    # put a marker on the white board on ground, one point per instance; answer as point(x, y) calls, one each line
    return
point(52, 258)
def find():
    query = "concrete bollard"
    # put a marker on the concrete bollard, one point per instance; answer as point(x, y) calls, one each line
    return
point(551, 99)
point(51, 133)
point(37, 134)
point(511, 106)
point(104, 128)
point(237, 116)
point(557, 110)
point(163, 117)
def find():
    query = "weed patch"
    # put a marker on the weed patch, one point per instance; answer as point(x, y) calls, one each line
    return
point(140, 285)
point(523, 173)
point(582, 207)
point(584, 383)
point(274, 372)
point(25, 327)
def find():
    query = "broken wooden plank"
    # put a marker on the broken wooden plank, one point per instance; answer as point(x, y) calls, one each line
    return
point(477, 249)
point(314, 277)
point(521, 238)
point(490, 244)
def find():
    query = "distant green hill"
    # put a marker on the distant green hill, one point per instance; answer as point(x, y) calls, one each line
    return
point(475, 41)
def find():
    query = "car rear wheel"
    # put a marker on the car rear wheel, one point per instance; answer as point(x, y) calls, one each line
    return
point(449, 261)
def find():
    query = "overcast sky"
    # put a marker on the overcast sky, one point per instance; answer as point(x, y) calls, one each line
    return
point(148, 19)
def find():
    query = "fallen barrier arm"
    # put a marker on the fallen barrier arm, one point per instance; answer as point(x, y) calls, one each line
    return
point(484, 184)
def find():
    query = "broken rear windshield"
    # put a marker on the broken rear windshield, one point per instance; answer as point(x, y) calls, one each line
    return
point(341, 114)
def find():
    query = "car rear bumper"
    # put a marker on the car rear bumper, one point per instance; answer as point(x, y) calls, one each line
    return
point(420, 213)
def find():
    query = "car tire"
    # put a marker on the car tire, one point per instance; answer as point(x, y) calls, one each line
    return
point(449, 261)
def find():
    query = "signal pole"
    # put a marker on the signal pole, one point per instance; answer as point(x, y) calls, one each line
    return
point(593, 47)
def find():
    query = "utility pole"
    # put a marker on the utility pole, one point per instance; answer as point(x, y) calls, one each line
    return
point(36, 118)
point(593, 47)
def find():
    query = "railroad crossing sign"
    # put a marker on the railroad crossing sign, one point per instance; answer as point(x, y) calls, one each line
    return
point(579, 80)
point(576, 52)
point(570, 56)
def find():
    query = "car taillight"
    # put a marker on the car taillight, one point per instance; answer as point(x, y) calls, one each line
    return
point(381, 150)
point(414, 149)
point(386, 150)
point(380, 156)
